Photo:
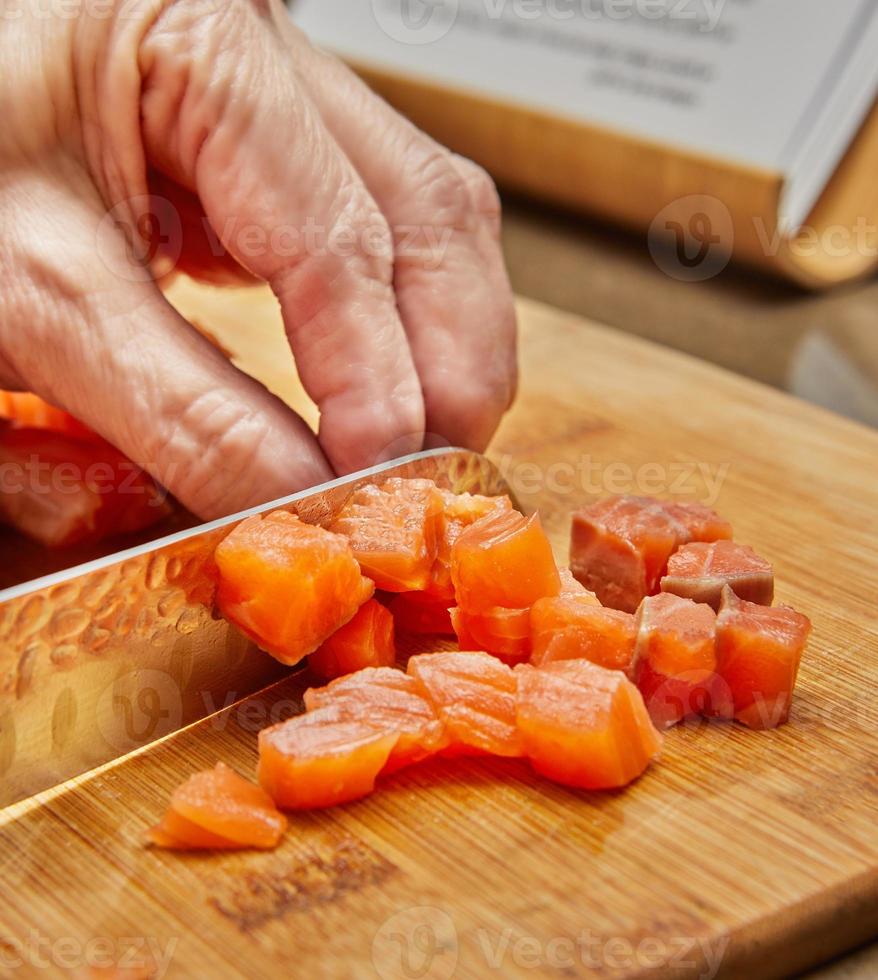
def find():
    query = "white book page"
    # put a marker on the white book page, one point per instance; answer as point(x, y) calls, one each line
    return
point(742, 80)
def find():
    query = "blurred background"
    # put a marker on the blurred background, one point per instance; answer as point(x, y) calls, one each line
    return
point(701, 173)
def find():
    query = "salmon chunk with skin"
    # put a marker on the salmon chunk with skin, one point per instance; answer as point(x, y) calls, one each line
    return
point(699, 523)
point(758, 649)
point(394, 532)
point(288, 585)
point(219, 809)
point(674, 662)
point(583, 725)
point(571, 627)
point(366, 641)
point(474, 696)
point(322, 758)
point(504, 560)
point(390, 701)
point(620, 546)
point(700, 571)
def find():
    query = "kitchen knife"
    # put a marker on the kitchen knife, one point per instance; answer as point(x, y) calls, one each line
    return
point(99, 660)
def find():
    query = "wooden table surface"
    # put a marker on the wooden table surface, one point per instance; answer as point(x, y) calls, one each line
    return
point(739, 854)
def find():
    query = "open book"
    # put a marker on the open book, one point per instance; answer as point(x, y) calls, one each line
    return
point(747, 124)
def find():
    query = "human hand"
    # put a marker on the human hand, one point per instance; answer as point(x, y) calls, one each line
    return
point(216, 117)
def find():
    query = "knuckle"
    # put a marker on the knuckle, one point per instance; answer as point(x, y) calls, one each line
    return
point(206, 453)
point(481, 187)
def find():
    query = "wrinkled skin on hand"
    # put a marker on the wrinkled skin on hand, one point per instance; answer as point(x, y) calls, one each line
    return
point(211, 134)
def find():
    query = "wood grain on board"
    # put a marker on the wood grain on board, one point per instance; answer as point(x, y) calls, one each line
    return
point(739, 852)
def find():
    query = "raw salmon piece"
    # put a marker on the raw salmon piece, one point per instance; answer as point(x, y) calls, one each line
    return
point(620, 546)
point(504, 560)
point(390, 702)
point(570, 585)
point(31, 412)
point(459, 511)
point(394, 532)
point(218, 808)
point(288, 585)
point(366, 641)
point(474, 695)
point(583, 725)
point(699, 523)
point(674, 657)
point(758, 654)
point(569, 627)
point(500, 631)
point(63, 490)
point(420, 612)
point(176, 833)
point(700, 571)
point(321, 759)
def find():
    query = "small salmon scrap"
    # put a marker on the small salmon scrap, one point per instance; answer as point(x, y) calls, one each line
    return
point(700, 571)
point(620, 546)
point(218, 809)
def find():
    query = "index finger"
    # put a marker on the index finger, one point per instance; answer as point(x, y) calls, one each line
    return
point(289, 206)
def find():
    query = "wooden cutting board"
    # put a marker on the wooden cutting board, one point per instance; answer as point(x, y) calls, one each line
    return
point(752, 854)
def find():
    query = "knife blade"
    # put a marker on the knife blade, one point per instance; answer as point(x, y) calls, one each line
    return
point(99, 660)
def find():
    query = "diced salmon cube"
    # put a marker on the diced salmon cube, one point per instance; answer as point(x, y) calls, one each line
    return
point(620, 546)
point(500, 631)
point(421, 612)
point(394, 532)
point(390, 701)
point(758, 653)
point(61, 489)
point(288, 585)
point(474, 695)
point(459, 511)
point(699, 523)
point(582, 725)
point(365, 641)
point(675, 658)
point(321, 759)
point(700, 571)
point(577, 626)
point(503, 560)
